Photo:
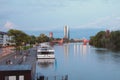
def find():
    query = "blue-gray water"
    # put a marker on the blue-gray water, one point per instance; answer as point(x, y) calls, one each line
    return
point(83, 62)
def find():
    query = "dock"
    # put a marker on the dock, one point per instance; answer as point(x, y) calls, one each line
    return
point(22, 66)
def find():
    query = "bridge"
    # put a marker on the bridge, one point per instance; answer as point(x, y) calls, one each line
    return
point(85, 41)
point(61, 41)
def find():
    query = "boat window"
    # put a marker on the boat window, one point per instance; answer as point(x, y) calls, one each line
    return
point(45, 53)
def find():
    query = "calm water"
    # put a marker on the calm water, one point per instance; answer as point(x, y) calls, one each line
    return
point(82, 62)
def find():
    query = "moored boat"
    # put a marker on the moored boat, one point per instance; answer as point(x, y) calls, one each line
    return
point(45, 51)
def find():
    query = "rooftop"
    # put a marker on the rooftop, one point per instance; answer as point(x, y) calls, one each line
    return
point(2, 33)
point(15, 67)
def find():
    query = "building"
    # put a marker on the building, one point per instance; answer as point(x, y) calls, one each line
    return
point(66, 32)
point(4, 39)
point(107, 34)
point(16, 72)
point(51, 34)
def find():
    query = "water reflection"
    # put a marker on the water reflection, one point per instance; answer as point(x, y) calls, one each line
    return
point(81, 49)
point(66, 49)
point(101, 50)
point(78, 48)
point(45, 63)
point(107, 56)
point(82, 61)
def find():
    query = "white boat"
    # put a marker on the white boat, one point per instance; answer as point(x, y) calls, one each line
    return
point(45, 52)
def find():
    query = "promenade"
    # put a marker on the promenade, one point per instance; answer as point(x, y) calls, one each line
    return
point(18, 63)
point(25, 57)
point(6, 51)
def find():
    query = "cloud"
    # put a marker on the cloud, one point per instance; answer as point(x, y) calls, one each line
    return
point(49, 13)
point(9, 25)
point(109, 22)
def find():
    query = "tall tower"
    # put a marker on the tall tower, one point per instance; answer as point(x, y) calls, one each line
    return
point(66, 32)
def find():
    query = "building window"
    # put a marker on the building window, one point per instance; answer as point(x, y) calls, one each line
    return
point(10, 77)
point(21, 77)
point(1, 36)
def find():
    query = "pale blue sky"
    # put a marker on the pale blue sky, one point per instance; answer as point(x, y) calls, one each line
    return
point(32, 15)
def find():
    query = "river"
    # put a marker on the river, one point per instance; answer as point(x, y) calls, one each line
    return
point(82, 62)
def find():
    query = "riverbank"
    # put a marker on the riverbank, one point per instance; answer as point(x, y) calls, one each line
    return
point(106, 39)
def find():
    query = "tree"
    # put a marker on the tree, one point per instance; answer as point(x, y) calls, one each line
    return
point(42, 38)
point(111, 42)
point(115, 39)
point(19, 37)
point(32, 39)
point(98, 40)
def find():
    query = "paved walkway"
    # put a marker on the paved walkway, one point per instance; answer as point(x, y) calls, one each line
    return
point(27, 57)
point(6, 51)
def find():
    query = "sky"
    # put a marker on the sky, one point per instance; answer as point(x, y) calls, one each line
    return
point(37, 15)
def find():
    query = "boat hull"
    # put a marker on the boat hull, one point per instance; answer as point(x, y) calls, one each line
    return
point(45, 56)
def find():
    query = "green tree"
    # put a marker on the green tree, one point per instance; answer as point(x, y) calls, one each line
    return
point(98, 40)
point(32, 39)
point(42, 38)
point(115, 39)
point(19, 37)
point(111, 42)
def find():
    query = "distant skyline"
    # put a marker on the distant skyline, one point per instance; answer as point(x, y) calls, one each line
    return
point(47, 15)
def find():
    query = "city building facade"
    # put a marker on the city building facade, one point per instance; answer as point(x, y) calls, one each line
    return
point(66, 32)
point(4, 39)
point(51, 34)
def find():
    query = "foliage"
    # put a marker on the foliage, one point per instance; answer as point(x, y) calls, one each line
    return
point(51, 39)
point(115, 39)
point(32, 39)
point(19, 37)
point(103, 41)
point(42, 38)
point(98, 40)
point(26, 47)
